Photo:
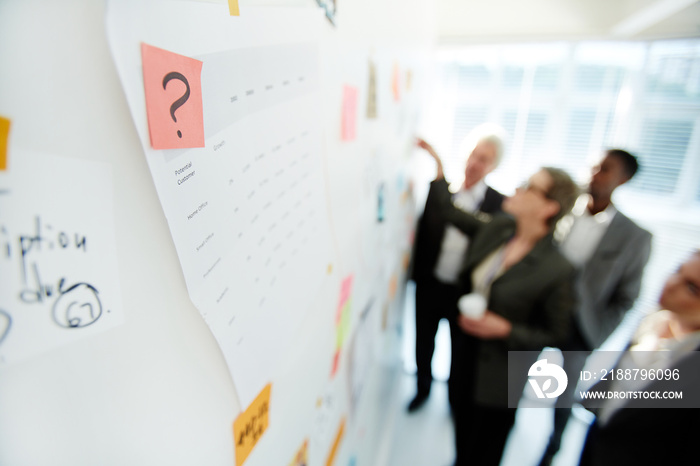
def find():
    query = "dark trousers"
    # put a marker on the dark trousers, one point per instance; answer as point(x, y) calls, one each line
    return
point(481, 431)
point(573, 364)
point(588, 445)
point(481, 434)
point(434, 301)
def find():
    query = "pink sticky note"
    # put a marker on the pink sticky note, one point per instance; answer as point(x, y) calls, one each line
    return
point(345, 288)
point(349, 116)
point(173, 85)
point(336, 363)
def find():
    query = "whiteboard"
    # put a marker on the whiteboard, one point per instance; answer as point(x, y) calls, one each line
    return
point(154, 386)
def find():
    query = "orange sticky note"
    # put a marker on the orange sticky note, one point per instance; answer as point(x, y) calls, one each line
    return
point(251, 425)
point(395, 83)
point(336, 444)
point(393, 286)
point(173, 85)
point(233, 7)
point(302, 456)
point(349, 116)
point(4, 136)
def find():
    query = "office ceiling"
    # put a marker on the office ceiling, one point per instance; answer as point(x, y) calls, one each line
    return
point(481, 21)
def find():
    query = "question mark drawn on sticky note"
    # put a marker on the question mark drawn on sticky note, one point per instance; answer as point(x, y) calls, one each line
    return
point(167, 129)
point(181, 101)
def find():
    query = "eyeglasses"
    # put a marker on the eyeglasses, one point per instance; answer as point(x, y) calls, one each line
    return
point(527, 186)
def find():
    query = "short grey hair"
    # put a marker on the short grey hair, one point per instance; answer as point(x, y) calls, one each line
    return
point(485, 132)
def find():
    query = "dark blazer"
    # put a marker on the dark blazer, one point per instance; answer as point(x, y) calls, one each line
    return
point(535, 295)
point(648, 435)
point(430, 232)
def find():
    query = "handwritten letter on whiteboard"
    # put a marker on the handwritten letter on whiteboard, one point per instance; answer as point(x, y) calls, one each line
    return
point(57, 254)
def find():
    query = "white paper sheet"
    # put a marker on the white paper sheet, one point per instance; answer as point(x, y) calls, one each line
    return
point(248, 211)
point(58, 264)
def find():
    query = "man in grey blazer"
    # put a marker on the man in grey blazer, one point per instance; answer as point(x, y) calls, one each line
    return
point(610, 252)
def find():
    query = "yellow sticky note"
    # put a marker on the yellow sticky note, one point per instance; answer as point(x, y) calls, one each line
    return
point(336, 444)
point(233, 7)
point(251, 424)
point(343, 327)
point(4, 136)
point(302, 456)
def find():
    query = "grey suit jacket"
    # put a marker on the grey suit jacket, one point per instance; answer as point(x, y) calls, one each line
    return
point(609, 283)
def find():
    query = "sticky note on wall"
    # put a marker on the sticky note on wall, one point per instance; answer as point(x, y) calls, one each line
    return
point(349, 115)
point(251, 424)
point(336, 443)
point(4, 136)
point(345, 289)
point(393, 285)
point(233, 7)
point(372, 92)
point(173, 87)
point(342, 320)
point(302, 456)
point(395, 82)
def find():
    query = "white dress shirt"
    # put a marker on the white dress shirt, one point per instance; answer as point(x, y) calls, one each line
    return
point(586, 232)
point(454, 242)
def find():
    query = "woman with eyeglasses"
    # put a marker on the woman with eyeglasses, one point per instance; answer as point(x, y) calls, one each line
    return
point(517, 296)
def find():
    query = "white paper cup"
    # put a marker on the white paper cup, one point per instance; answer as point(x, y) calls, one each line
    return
point(472, 305)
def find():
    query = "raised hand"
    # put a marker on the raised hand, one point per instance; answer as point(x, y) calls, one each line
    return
point(424, 145)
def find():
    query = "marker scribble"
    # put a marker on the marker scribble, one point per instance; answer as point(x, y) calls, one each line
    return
point(77, 306)
point(5, 324)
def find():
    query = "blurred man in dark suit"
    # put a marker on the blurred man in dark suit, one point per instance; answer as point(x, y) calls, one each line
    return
point(440, 249)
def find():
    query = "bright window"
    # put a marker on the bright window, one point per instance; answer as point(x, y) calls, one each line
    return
point(563, 103)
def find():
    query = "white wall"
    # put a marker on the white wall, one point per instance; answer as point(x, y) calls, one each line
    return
point(156, 389)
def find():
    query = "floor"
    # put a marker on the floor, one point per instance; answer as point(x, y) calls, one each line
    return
point(425, 437)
